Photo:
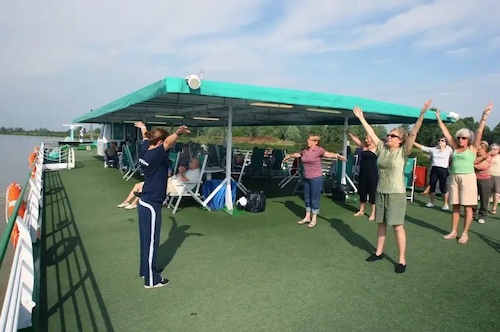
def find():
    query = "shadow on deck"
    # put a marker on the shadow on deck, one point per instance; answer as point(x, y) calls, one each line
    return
point(65, 263)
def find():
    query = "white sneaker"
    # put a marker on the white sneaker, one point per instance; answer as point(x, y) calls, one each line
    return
point(429, 205)
point(130, 207)
point(480, 220)
point(445, 208)
point(123, 205)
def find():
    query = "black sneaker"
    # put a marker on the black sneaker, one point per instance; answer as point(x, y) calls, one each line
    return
point(161, 283)
point(400, 268)
point(374, 257)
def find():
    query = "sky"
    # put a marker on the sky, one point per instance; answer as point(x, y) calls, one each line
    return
point(60, 58)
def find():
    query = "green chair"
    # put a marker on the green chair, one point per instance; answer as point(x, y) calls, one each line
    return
point(409, 176)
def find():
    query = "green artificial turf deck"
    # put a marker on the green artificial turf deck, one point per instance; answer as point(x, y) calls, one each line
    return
point(256, 272)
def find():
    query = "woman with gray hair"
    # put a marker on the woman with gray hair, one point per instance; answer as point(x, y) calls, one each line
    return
point(462, 185)
point(495, 175)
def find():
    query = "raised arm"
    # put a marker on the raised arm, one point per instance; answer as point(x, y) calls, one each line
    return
point(356, 140)
point(292, 155)
point(418, 145)
point(479, 132)
point(416, 127)
point(143, 129)
point(445, 131)
point(172, 139)
point(358, 112)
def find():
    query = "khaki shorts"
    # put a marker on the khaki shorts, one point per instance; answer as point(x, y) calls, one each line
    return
point(495, 184)
point(462, 189)
point(390, 208)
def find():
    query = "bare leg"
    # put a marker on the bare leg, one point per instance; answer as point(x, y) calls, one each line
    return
point(455, 217)
point(372, 215)
point(381, 230)
point(426, 191)
point(400, 233)
point(495, 203)
point(467, 222)
point(432, 197)
point(137, 187)
point(445, 198)
point(361, 209)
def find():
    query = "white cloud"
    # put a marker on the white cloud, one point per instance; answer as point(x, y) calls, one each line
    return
point(458, 51)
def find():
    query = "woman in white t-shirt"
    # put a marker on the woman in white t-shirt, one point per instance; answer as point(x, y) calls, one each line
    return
point(495, 175)
point(440, 161)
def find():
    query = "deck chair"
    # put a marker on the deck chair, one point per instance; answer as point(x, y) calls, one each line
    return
point(350, 164)
point(132, 164)
point(409, 175)
point(190, 189)
point(238, 176)
point(174, 158)
point(292, 172)
point(257, 162)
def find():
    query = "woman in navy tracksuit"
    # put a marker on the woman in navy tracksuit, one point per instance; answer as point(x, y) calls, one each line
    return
point(154, 163)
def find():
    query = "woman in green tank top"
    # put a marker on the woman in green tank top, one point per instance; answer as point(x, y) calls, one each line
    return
point(462, 184)
point(390, 197)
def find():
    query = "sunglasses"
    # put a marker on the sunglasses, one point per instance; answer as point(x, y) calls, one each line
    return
point(462, 138)
point(392, 136)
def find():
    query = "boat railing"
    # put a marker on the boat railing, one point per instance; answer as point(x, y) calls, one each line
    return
point(58, 157)
point(23, 230)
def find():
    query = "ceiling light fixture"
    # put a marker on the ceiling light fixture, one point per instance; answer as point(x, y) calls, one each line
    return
point(205, 119)
point(321, 110)
point(169, 116)
point(271, 105)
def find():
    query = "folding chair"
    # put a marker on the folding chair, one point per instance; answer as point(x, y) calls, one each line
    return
point(133, 165)
point(293, 172)
point(257, 162)
point(238, 176)
point(190, 189)
point(409, 174)
point(174, 158)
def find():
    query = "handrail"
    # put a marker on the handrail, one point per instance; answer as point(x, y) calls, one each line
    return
point(4, 241)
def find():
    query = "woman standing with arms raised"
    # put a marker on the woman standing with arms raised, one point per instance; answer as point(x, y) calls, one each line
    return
point(312, 176)
point(368, 174)
point(440, 161)
point(390, 197)
point(462, 186)
point(154, 163)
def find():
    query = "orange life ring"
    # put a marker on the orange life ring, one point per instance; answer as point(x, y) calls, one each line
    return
point(32, 159)
point(33, 172)
point(12, 195)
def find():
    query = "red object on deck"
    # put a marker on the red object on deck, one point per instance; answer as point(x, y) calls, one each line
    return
point(420, 176)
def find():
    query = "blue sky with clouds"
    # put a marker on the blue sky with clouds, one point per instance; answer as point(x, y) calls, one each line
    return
point(62, 58)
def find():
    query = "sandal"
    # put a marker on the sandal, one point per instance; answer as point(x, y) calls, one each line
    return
point(494, 211)
point(303, 221)
point(450, 236)
point(312, 224)
point(464, 238)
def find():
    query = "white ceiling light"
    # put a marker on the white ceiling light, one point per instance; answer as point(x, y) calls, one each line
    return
point(205, 119)
point(321, 110)
point(131, 121)
point(271, 105)
point(193, 81)
point(169, 116)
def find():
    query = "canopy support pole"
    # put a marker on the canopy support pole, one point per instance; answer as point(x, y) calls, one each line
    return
point(344, 151)
point(229, 154)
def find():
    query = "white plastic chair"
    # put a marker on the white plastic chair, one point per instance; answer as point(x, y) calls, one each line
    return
point(187, 189)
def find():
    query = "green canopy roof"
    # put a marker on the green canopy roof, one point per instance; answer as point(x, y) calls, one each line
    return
point(171, 101)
